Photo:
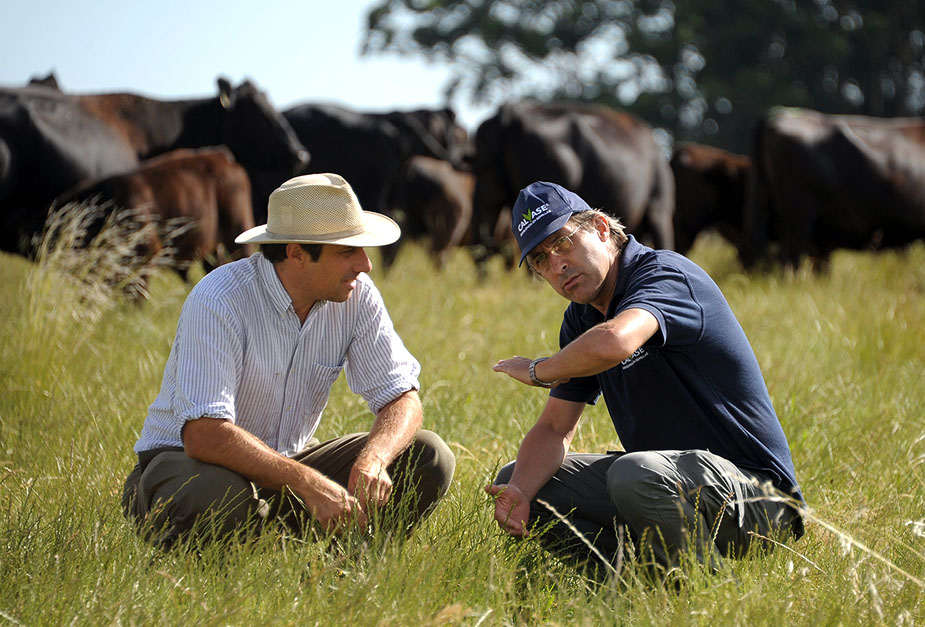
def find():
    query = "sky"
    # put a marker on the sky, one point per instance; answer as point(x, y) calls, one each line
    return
point(296, 51)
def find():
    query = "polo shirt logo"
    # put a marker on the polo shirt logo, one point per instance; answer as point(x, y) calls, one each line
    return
point(629, 362)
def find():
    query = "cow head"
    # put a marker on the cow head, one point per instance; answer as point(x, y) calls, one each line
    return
point(257, 134)
point(433, 133)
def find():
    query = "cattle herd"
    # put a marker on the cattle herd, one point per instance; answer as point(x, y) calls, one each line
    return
point(811, 183)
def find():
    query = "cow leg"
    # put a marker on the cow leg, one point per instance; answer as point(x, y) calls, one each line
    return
point(660, 212)
point(797, 233)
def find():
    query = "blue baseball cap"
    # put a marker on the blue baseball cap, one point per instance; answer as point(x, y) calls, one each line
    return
point(540, 210)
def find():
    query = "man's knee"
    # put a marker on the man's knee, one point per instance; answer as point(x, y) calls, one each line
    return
point(505, 474)
point(639, 476)
point(176, 493)
point(432, 457)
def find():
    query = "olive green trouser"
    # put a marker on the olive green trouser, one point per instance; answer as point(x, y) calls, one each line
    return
point(678, 500)
point(169, 494)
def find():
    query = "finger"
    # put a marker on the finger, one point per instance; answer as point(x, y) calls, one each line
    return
point(385, 493)
point(361, 518)
point(513, 528)
point(375, 493)
point(493, 489)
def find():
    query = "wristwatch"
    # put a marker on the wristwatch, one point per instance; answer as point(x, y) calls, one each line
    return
point(532, 369)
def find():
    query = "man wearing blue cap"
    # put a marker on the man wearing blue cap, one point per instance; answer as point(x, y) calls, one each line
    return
point(706, 462)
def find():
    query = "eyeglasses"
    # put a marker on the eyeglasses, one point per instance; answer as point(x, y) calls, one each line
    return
point(540, 261)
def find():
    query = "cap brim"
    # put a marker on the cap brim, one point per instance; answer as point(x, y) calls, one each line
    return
point(379, 230)
point(548, 230)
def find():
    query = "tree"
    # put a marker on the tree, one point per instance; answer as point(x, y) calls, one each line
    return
point(698, 69)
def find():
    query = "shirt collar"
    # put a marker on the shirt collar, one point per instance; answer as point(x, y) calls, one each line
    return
point(626, 261)
point(276, 294)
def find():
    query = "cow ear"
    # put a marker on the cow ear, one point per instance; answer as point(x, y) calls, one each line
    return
point(224, 91)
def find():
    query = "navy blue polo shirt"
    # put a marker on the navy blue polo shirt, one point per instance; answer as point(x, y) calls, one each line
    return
point(696, 383)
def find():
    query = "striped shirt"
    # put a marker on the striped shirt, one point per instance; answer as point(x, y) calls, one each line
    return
point(241, 354)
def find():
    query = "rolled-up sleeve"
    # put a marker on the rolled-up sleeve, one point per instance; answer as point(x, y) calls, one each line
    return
point(208, 355)
point(378, 366)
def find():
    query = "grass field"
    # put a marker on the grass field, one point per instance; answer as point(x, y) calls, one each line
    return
point(843, 355)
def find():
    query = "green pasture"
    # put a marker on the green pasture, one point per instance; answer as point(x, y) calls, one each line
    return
point(843, 355)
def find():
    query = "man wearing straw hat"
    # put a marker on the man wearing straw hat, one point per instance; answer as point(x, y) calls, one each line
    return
point(259, 343)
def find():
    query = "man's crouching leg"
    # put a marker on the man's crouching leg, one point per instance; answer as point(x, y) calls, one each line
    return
point(174, 497)
point(425, 470)
point(421, 475)
point(578, 493)
point(693, 500)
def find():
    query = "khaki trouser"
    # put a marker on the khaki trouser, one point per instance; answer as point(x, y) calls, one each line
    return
point(675, 500)
point(169, 494)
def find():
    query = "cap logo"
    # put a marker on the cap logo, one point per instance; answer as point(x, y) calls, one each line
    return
point(530, 216)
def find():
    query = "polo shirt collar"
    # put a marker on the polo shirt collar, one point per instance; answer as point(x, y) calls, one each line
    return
point(626, 262)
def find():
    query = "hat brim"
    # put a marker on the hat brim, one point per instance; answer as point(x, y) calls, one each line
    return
point(378, 230)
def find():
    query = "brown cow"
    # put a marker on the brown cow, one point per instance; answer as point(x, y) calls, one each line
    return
point(435, 200)
point(205, 188)
point(607, 157)
point(835, 181)
point(710, 185)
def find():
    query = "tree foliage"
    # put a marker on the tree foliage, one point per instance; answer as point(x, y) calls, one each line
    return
point(702, 70)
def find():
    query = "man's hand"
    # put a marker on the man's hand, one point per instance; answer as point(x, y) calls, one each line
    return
point(512, 509)
point(370, 482)
point(519, 368)
point(334, 508)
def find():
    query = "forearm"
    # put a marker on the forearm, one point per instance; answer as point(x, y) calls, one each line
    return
point(600, 348)
point(224, 444)
point(541, 454)
point(587, 356)
point(393, 430)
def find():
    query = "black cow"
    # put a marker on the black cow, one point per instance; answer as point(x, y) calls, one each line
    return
point(202, 195)
point(369, 149)
point(609, 158)
point(835, 181)
point(50, 141)
point(710, 188)
point(436, 200)
point(241, 118)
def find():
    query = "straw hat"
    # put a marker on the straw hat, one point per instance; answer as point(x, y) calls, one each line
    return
point(320, 209)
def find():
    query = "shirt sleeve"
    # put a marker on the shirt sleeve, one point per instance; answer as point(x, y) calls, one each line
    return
point(208, 361)
point(579, 389)
point(378, 366)
point(666, 293)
